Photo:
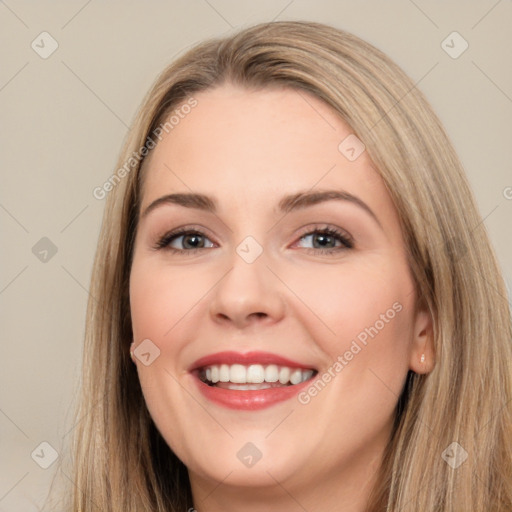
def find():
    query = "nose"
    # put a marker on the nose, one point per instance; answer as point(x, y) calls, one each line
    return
point(250, 293)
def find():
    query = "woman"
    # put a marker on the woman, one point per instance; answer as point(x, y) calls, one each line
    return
point(294, 303)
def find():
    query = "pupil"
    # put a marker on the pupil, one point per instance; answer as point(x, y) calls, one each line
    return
point(324, 238)
point(187, 239)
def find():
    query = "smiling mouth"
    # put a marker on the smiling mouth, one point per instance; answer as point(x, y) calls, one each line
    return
point(241, 377)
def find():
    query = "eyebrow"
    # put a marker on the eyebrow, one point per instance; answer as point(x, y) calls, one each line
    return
point(287, 204)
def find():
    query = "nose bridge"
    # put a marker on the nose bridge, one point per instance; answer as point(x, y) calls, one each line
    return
point(249, 291)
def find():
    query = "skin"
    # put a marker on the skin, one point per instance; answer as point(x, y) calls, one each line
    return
point(248, 148)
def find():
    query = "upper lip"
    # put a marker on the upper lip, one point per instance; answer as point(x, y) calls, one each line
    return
point(246, 358)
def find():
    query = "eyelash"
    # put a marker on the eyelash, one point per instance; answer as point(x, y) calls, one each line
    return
point(348, 243)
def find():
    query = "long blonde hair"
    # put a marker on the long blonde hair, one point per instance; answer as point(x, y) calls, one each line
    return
point(121, 462)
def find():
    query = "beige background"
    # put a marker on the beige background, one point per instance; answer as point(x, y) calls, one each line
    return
point(62, 123)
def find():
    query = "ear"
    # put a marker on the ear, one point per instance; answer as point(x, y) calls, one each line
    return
point(132, 355)
point(422, 351)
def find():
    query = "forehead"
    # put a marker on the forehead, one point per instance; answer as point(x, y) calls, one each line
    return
point(254, 145)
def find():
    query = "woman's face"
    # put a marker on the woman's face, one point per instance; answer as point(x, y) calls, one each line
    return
point(290, 295)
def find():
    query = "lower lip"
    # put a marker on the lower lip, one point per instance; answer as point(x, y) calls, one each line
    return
point(249, 400)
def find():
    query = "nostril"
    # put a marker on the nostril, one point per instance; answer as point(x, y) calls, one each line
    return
point(242, 318)
point(258, 315)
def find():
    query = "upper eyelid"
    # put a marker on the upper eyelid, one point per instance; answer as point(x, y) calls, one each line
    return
point(172, 234)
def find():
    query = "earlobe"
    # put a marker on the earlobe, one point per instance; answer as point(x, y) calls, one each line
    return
point(422, 353)
point(132, 355)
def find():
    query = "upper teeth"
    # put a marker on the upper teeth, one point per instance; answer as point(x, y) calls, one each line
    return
point(256, 373)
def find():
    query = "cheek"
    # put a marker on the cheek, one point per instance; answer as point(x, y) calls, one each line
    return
point(365, 329)
point(363, 322)
point(346, 302)
point(161, 301)
point(160, 298)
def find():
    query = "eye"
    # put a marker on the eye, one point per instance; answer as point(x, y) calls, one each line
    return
point(327, 240)
point(184, 240)
point(324, 239)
